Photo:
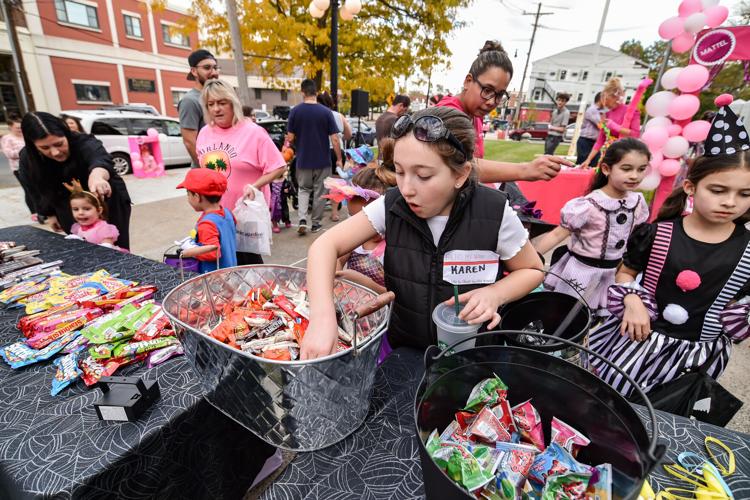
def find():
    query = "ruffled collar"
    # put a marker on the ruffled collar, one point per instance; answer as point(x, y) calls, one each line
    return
point(601, 199)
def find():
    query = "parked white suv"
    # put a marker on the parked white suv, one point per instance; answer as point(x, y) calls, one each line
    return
point(114, 127)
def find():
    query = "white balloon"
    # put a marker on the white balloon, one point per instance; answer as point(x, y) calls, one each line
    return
point(709, 3)
point(675, 147)
point(651, 181)
point(658, 104)
point(321, 4)
point(659, 122)
point(315, 11)
point(162, 137)
point(695, 22)
point(669, 78)
point(353, 6)
point(346, 15)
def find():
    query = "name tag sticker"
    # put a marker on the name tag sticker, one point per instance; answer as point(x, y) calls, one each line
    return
point(470, 267)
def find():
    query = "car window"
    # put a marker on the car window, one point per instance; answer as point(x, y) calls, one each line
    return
point(275, 128)
point(140, 126)
point(541, 126)
point(110, 126)
point(173, 128)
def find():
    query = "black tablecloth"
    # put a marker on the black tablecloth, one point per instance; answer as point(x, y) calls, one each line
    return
point(55, 447)
point(381, 460)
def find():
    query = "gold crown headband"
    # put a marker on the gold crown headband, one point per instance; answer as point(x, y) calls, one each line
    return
point(75, 187)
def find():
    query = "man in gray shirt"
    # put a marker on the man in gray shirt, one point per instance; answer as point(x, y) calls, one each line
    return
point(558, 121)
point(203, 67)
point(589, 131)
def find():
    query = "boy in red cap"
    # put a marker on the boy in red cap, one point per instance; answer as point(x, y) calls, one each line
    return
point(216, 228)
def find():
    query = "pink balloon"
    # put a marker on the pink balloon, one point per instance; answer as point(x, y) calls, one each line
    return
point(152, 132)
point(683, 42)
point(692, 78)
point(669, 167)
point(675, 147)
point(137, 164)
point(684, 106)
point(656, 159)
point(671, 28)
point(655, 138)
point(674, 130)
point(688, 7)
point(696, 131)
point(716, 15)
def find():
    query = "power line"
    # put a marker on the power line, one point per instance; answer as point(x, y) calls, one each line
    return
point(538, 14)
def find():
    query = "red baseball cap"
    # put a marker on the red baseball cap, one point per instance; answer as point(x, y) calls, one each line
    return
point(204, 181)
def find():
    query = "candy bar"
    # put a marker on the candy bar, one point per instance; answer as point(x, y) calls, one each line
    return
point(20, 354)
point(553, 461)
point(487, 427)
point(529, 424)
point(134, 348)
point(67, 372)
point(569, 486)
point(487, 392)
point(159, 356)
point(515, 463)
point(567, 437)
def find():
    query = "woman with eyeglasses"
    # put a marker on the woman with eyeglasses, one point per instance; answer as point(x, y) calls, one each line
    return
point(484, 90)
point(613, 115)
point(439, 214)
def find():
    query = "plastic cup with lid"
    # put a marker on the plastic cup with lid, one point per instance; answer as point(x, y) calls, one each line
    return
point(451, 329)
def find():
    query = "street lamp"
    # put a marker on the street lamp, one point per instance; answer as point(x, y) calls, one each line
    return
point(350, 9)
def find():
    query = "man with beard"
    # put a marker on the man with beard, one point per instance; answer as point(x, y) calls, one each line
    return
point(203, 67)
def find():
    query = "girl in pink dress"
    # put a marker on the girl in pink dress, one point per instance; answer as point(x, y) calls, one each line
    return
point(90, 217)
point(599, 225)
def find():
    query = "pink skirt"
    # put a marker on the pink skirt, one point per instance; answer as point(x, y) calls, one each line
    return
point(591, 282)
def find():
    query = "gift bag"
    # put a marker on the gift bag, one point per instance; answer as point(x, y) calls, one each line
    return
point(254, 233)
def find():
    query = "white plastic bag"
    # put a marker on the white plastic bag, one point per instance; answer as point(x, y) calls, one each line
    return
point(254, 234)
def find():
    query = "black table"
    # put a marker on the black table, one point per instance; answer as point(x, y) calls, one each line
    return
point(55, 447)
point(380, 460)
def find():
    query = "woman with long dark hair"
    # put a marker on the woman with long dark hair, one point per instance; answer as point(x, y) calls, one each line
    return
point(54, 155)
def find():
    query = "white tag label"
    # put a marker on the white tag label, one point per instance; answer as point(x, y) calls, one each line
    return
point(470, 267)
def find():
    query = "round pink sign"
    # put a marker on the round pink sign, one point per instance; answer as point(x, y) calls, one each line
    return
point(714, 47)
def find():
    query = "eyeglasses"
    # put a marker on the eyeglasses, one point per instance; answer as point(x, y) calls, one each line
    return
point(427, 128)
point(488, 93)
point(209, 67)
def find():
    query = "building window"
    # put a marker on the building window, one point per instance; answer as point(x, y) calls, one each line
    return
point(81, 14)
point(133, 26)
point(258, 93)
point(141, 85)
point(284, 95)
point(172, 36)
point(563, 74)
point(552, 73)
point(607, 76)
point(584, 76)
point(177, 95)
point(537, 95)
point(88, 92)
point(580, 97)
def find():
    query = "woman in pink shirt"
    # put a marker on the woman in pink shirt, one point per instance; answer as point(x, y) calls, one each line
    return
point(238, 148)
point(614, 113)
point(11, 145)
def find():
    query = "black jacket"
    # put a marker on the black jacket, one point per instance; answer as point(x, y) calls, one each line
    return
point(414, 266)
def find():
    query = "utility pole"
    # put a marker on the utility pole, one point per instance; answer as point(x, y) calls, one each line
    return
point(335, 53)
point(19, 70)
point(538, 14)
point(239, 59)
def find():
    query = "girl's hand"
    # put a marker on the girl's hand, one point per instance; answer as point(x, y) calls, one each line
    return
point(636, 323)
point(320, 339)
point(481, 305)
point(53, 224)
point(248, 192)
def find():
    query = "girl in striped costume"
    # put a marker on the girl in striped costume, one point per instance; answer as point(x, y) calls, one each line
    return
point(694, 269)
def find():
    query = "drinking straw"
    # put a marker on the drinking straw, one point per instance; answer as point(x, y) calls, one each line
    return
point(455, 299)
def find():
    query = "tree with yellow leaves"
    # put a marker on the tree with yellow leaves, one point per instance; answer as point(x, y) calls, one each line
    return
point(387, 40)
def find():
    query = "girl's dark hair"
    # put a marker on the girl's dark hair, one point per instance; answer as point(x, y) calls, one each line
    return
point(462, 128)
point(39, 125)
point(492, 55)
point(701, 168)
point(614, 155)
point(325, 99)
point(78, 122)
point(91, 198)
point(13, 118)
point(386, 171)
point(368, 178)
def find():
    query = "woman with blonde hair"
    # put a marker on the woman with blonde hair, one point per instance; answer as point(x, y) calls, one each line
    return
point(614, 117)
point(238, 148)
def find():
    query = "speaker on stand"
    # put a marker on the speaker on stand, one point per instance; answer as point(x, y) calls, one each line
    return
point(360, 108)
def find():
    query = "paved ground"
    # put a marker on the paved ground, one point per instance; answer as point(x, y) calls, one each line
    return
point(162, 215)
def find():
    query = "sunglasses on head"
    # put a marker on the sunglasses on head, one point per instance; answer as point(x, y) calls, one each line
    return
point(427, 128)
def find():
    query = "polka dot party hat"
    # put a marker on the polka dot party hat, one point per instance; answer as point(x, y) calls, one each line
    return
point(728, 134)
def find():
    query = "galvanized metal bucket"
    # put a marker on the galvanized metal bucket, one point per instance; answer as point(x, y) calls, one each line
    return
point(298, 405)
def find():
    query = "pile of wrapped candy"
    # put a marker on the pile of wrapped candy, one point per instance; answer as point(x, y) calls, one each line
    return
point(18, 264)
point(497, 452)
point(96, 322)
point(270, 322)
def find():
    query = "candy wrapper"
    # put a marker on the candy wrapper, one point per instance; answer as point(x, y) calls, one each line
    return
point(570, 486)
point(529, 424)
point(488, 428)
point(567, 437)
point(20, 354)
point(600, 486)
point(67, 371)
point(134, 348)
point(115, 326)
point(504, 414)
point(487, 392)
point(44, 338)
point(555, 460)
point(454, 434)
point(461, 466)
point(156, 326)
point(159, 356)
point(11, 296)
point(94, 369)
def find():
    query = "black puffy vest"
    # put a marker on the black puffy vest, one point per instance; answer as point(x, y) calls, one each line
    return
point(414, 266)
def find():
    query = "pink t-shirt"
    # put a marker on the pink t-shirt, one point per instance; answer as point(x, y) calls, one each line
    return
point(615, 118)
point(96, 232)
point(244, 153)
point(452, 101)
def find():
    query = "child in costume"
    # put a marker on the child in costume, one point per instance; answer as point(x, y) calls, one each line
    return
point(281, 192)
point(437, 216)
point(695, 272)
point(599, 225)
point(216, 228)
point(90, 216)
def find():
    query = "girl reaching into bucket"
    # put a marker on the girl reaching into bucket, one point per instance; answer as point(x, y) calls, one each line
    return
point(695, 272)
point(599, 225)
point(441, 228)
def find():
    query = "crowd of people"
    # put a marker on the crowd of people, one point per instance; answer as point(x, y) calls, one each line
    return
point(658, 289)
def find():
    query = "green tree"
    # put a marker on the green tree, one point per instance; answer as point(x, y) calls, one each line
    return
point(388, 39)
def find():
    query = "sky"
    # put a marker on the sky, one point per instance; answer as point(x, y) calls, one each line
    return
point(572, 24)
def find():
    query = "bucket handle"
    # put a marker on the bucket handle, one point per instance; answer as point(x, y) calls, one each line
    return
point(434, 353)
point(366, 309)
